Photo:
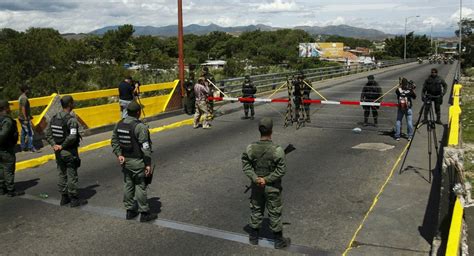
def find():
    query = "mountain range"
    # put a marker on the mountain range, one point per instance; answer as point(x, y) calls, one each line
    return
point(172, 30)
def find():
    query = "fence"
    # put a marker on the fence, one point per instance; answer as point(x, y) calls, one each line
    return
point(105, 114)
point(233, 87)
point(453, 178)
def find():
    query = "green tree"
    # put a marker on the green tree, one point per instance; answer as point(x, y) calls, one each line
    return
point(417, 46)
point(467, 43)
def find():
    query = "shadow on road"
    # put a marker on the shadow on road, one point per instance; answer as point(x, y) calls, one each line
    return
point(265, 231)
point(25, 185)
point(88, 192)
point(155, 204)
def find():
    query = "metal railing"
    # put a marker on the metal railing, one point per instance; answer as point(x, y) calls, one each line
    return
point(233, 86)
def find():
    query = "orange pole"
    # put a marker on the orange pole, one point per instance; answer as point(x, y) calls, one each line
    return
point(180, 46)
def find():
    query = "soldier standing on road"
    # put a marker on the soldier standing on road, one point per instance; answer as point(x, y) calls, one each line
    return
point(132, 145)
point(209, 77)
point(8, 140)
point(370, 93)
point(434, 87)
point(248, 91)
point(63, 136)
point(202, 92)
point(264, 164)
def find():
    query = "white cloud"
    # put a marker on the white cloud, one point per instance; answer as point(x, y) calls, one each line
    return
point(466, 13)
point(278, 6)
point(337, 21)
point(356, 7)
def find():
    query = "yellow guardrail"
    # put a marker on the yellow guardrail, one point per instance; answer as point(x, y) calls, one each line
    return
point(454, 239)
point(455, 229)
point(97, 116)
point(454, 117)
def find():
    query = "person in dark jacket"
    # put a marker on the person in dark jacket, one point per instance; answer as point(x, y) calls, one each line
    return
point(127, 92)
point(434, 89)
point(371, 93)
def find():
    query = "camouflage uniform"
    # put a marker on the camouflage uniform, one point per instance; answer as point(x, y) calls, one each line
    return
point(301, 92)
point(248, 91)
point(8, 140)
point(63, 130)
point(264, 159)
point(210, 104)
point(131, 139)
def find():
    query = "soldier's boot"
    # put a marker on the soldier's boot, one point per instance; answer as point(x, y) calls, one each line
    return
point(366, 121)
point(65, 199)
point(375, 121)
point(246, 116)
point(308, 117)
point(438, 119)
point(131, 214)
point(14, 193)
point(280, 241)
point(76, 202)
point(146, 216)
point(253, 236)
point(252, 116)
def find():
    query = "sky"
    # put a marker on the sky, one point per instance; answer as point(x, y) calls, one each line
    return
point(73, 16)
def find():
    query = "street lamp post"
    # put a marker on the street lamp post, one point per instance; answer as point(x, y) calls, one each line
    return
point(460, 38)
point(405, 45)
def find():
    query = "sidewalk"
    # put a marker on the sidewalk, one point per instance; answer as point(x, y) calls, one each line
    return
point(404, 220)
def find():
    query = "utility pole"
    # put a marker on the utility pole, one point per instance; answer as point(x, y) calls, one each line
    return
point(180, 46)
point(460, 39)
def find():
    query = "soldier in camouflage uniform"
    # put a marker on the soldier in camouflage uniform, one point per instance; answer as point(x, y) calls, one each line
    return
point(132, 145)
point(264, 164)
point(8, 140)
point(248, 91)
point(63, 136)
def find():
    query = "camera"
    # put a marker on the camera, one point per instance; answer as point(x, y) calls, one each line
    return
point(411, 85)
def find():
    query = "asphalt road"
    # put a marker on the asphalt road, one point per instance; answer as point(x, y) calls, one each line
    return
point(198, 186)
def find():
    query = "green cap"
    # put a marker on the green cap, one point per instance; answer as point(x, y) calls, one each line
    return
point(266, 123)
point(134, 107)
point(4, 104)
point(371, 77)
point(66, 100)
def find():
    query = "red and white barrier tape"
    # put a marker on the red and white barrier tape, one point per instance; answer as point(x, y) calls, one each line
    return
point(324, 102)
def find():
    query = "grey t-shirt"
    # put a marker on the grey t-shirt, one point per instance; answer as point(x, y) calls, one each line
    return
point(24, 102)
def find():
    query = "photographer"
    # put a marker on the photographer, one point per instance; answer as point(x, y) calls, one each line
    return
point(434, 89)
point(128, 90)
point(405, 94)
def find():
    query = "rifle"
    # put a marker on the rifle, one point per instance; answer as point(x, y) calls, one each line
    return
point(290, 148)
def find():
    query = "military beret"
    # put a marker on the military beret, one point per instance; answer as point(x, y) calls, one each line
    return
point(134, 107)
point(266, 123)
point(67, 99)
point(4, 104)
point(371, 77)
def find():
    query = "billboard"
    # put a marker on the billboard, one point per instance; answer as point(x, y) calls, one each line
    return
point(322, 50)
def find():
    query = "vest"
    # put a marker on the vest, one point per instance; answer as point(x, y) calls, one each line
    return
point(60, 129)
point(12, 136)
point(248, 90)
point(128, 141)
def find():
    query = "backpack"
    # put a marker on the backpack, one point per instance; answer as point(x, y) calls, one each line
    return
point(403, 101)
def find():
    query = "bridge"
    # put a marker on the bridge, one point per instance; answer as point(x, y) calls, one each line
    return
point(342, 192)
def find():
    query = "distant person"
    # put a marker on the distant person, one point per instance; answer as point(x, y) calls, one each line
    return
point(8, 140)
point(405, 94)
point(202, 93)
point(208, 82)
point(248, 91)
point(132, 145)
point(263, 162)
point(434, 89)
point(63, 136)
point(370, 93)
point(190, 97)
point(127, 92)
point(301, 92)
point(24, 116)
